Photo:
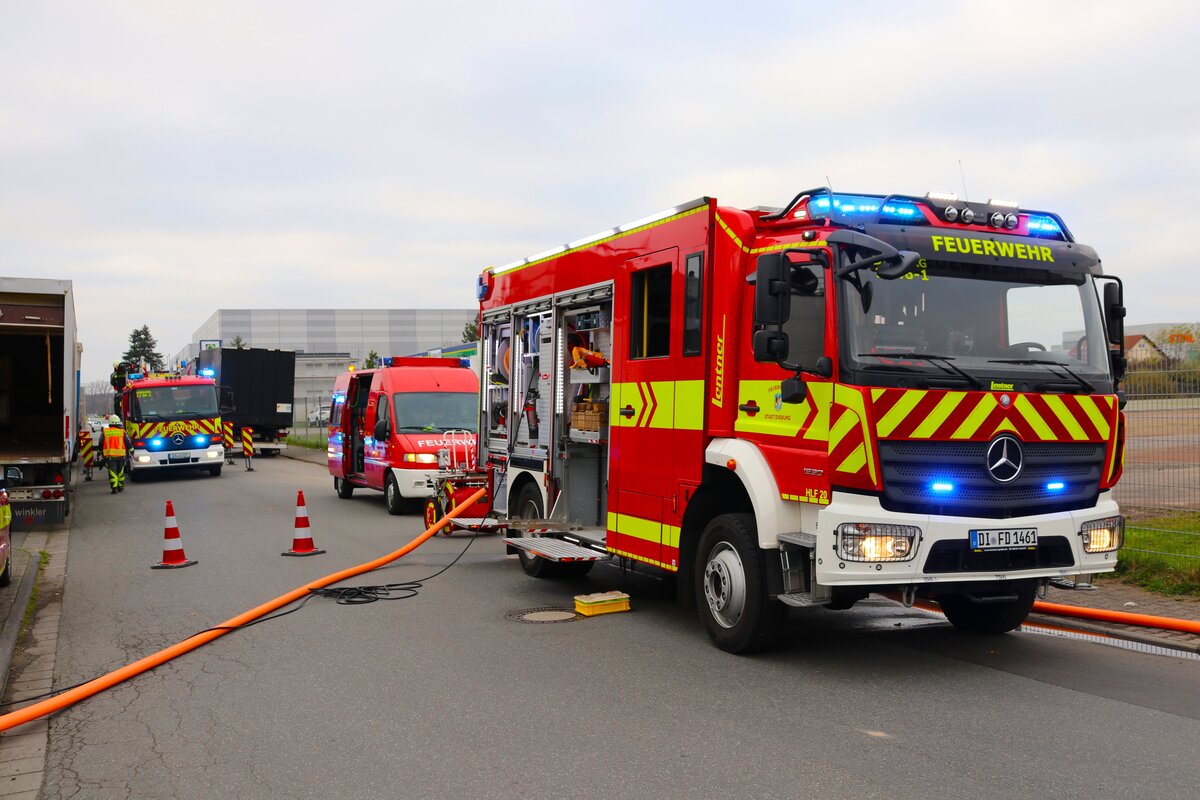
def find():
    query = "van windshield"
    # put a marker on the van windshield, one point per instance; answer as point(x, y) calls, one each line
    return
point(435, 412)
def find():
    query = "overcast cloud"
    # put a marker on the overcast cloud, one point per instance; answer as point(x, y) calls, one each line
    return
point(173, 158)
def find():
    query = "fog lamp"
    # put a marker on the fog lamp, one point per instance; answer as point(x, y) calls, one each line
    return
point(1103, 535)
point(873, 541)
point(421, 458)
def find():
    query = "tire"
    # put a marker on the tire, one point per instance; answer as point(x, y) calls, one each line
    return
point(731, 587)
point(6, 575)
point(215, 470)
point(528, 504)
point(343, 487)
point(970, 615)
point(391, 495)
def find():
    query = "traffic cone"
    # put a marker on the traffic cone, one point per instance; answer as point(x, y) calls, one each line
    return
point(302, 541)
point(173, 557)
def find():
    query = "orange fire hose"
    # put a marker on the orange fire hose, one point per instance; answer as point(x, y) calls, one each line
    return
point(1123, 617)
point(73, 696)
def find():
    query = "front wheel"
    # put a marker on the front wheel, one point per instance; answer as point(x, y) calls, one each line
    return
point(983, 614)
point(391, 495)
point(343, 488)
point(731, 587)
point(215, 470)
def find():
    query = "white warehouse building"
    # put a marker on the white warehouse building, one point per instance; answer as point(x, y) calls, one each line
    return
point(328, 340)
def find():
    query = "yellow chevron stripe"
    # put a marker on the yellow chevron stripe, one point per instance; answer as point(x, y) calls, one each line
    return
point(855, 461)
point(845, 424)
point(939, 414)
point(1065, 417)
point(896, 414)
point(1040, 428)
point(971, 424)
point(1091, 407)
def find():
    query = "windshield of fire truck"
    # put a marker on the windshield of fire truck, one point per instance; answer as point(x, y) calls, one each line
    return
point(1000, 325)
point(161, 403)
point(435, 412)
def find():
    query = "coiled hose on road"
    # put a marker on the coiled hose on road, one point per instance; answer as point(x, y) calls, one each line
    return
point(97, 685)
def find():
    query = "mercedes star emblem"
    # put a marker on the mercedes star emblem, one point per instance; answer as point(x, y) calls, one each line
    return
point(177, 439)
point(1004, 459)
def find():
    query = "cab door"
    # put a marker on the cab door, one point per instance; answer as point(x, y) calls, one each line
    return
point(641, 417)
point(376, 448)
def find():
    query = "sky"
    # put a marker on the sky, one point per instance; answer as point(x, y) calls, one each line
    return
point(174, 158)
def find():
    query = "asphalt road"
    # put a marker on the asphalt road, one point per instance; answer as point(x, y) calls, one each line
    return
point(442, 696)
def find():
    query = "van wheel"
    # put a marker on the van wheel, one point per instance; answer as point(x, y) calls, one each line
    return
point(343, 488)
point(391, 495)
point(215, 470)
point(970, 614)
point(529, 506)
point(731, 587)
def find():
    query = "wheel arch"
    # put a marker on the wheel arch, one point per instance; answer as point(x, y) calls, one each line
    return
point(517, 482)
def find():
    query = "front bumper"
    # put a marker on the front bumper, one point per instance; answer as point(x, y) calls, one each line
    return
point(196, 457)
point(413, 483)
point(942, 554)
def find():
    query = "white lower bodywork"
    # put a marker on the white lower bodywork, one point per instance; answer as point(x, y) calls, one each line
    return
point(775, 516)
point(159, 459)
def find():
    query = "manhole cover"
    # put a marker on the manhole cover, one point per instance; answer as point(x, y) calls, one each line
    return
point(543, 615)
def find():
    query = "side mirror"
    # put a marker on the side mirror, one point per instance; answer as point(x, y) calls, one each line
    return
point(772, 290)
point(770, 346)
point(381, 430)
point(1114, 314)
point(793, 390)
point(900, 265)
point(1118, 363)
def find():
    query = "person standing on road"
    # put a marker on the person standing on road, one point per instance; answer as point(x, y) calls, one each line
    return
point(115, 452)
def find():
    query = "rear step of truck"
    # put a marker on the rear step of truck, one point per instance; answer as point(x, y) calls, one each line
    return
point(554, 549)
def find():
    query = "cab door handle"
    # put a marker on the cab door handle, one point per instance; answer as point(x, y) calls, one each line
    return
point(627, 412)
point(750, 408)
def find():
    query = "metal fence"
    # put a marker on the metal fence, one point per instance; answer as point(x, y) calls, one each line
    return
point(310, 420)
point(1160, 490)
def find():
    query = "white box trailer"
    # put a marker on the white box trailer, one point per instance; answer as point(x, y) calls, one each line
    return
point(39, 396)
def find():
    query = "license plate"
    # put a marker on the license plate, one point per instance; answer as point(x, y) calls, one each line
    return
point(174, 457)
point(1004, 539)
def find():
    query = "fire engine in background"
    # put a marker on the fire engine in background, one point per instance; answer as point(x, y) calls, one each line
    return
point(172, 420)
point(39, 396)
point(799, 406)
point(387, 425)
point(256, 388)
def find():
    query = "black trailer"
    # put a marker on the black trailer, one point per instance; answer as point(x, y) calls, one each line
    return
point(257, 388)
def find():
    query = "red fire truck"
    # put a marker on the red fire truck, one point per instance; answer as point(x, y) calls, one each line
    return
point(802, 405)
point(172, 420)
point(387, 425)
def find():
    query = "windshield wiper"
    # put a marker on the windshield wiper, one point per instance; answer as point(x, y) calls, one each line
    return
point(1083, 384)
point(933, 358)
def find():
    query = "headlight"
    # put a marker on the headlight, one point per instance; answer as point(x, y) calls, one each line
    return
point(874, 541)
point(214, 453)
point(143, 459)
point(421, 458)
point(1103, 535)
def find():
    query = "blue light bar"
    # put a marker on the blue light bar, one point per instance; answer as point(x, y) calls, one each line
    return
point(1042, 225)
point(155, 444)
point(201, 440)
point(1056, 486)
point(942, 487)
point(208, 372)
point(859, 205)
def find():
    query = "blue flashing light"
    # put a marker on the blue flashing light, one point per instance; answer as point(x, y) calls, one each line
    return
point(856, 205)
point(942, 487)
point(202, 440)
point(208, 372)
point(155, 444)
point(1042, 225)
point(1056, 486)
point(134, 376)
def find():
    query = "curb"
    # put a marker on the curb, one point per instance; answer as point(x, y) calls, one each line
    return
point(12, 624)
point(1116, 631)
point(309, 455)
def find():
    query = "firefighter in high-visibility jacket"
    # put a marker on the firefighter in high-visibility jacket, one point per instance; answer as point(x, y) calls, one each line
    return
point(116, 450)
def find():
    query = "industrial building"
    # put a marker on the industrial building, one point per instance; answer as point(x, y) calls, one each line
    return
point(328, 340)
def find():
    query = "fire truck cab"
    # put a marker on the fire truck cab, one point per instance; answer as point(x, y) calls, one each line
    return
point(386, 426)
point(173, 421)
point(802, 405)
